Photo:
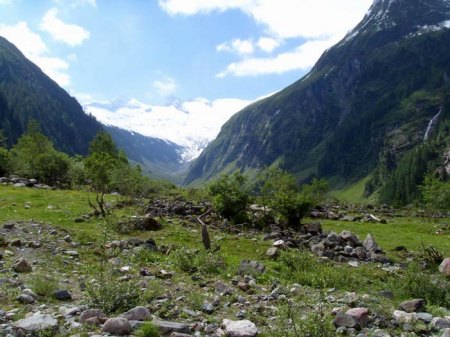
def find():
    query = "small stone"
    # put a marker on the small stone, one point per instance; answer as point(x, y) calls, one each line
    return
point(415, 305)
point(361, 316)
point(243, 286)
point(222, 289)
point(137, 314)
point(272, 252)
point(167, 327)
point(342, 319)
point(244, 328)
point(22, 266)
point(279, 244)
point(25, 299)
point(404, 317)
point(119, 326)
point(208, 308)
point(444, 267)
point(36, 322)
point(62, 295)
point(370, 244)
point(91, 313)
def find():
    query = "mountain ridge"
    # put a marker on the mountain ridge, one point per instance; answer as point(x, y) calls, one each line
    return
point(351, 94)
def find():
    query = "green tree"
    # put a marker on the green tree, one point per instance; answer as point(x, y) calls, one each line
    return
point(231, 196)
point(435, 195)
point(280, 192)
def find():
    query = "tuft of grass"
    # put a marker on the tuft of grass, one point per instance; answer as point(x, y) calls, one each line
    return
point(205, 262)
point(43, 285)
point(148, 329)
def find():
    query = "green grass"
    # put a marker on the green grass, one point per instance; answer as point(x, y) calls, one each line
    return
point(353, 193)
point(408, 232)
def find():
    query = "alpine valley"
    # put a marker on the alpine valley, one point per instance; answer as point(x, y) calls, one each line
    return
point(373, 111)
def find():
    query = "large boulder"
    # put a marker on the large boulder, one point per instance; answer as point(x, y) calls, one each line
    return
point(118, 326)
point(244, 328)
point(137, 314)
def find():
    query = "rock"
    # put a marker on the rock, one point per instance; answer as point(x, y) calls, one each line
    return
point(62, 295)
point(313, 228)
point(279, 244)
point(244, 328)
point(91, 313)
point(72, 253)
point(36, 322)
point(30, 292)
point(177, 334)
point(440, 323)
point(167, 327)
point(272, 252)
point(247, 267)
point(415, 305)
point(444, 267)
point(445, 333)
point(360, 253)
point(424, 317)
point(370, 244)
point(404, 317)
point(348, 236)
point(332, 240)
point(25, 299)
point(222, 289)
point(208, 308)
point(361, 316)
point(137, 314)
point(119, 326)
point(22, 266)
point(345, 320)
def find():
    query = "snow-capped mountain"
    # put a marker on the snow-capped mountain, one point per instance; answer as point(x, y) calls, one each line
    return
point(190, 124)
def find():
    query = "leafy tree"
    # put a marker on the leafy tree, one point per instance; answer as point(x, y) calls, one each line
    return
point(231, 196)
point(435, 195)
point(281, 193)
point(4, 154)
point(35, 157)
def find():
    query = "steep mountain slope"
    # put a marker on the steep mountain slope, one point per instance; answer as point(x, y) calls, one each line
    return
point(377, 89)
point(26, 92)
point(158, 158)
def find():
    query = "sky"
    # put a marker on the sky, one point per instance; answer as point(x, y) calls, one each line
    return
point(155, 50)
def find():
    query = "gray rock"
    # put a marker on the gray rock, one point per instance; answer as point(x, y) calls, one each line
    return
point(440, 323)
point(272, 252)
point(444, 267)
point(119, 326)
point(22, 266)
point(370, 244)
point(36, 323)
point(415, 305)
point(25, 299)
point(91, 313)
point(208, 308)
point(222, 289)
point(167, 327)
point(244, 328)
point(424, 317)
point(137, 314)
point(250, 267)
point(345, 320)
point(445, 333)
point(177, 334)
point(361, 316)
point(62, 295)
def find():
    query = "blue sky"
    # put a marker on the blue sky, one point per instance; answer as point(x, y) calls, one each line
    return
point(152, 50)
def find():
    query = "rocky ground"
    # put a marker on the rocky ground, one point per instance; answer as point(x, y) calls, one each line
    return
point(52, 285)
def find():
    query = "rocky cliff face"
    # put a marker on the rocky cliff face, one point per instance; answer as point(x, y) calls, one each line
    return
point(378, 87)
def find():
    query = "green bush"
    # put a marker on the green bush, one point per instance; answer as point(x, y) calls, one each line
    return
point(205, 262)
point(231, 197)
point(148, 329)
point(112, 295)
point(43, 285)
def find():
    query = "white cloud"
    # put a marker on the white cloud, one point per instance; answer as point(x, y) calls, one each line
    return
point(70, 34)
point(34, 48)
point(317, 22)
point(302, 58)
point(76, 3)
point(268, 44)
point(191, 124)
point(241, 47)
point(166, 87)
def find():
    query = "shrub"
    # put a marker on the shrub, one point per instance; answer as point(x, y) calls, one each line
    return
point(148, 329)
point(43, 285)
point(205, 262)
point(112, 295)
point(231, 197)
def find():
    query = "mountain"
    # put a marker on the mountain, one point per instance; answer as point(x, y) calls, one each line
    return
point(191, 125)
point(26, 92)
point(158, 158)
point(367, 101)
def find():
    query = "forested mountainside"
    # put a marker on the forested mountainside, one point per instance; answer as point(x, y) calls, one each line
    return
point(366, 102)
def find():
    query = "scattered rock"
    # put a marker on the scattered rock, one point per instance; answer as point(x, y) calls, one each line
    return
point(117, 326)
point(272, 252)
point(361, 316)
point(22, 266)
point(168, 327)
point(137, 314)
point(244, 328)
point(36, 322)
point(247, 267)
point(370, 244)
point(91, 313)
point(415, 305)
point(444, 267)
point(62, 295)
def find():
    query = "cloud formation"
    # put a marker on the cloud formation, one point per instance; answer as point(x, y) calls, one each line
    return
point(34, 48)
point(319, 23)
point(166, 86)
point(70, 34)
